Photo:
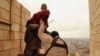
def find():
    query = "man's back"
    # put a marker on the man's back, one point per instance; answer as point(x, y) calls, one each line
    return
point(31, 39)
point(57, 50)
point(54, 51)
point(41, 15)
point(48, 40)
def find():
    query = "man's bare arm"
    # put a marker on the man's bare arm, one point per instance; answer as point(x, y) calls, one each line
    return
point(41, 28)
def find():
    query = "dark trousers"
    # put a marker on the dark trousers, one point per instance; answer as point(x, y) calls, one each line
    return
point(32, 53)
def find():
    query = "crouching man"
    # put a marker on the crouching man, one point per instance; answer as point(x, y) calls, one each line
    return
point(53, 44)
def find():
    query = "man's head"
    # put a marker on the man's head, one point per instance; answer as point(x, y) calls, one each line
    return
point(54, 33)
point(43, 6)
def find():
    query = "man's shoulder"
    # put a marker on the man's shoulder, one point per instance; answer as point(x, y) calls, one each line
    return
point(47, 36)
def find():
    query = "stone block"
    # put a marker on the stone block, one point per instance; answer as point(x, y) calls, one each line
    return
point(5, 4)
point(97, 7)
point(5, 53)
point(94, 37)
point(1, 35)
point(15, 52)
point(23, 22)
point(4, 35)
point(15, 27)
point(7, 45)
point(4, 14)
point(92, 51)
point(1, 26)
point(97, 21)
point(91, 26)
point(22, 46)
point(22, 49)
point(22, 35)
point(23, 29)
point(98, 37)
point(4, 21)
point(1, 45)
point(23, 43)
point(16, 11)
point(25, 16)
point(92, 5)
point(26, 11)
point(16, 43)
point(8, 1)
point(93, 31)
point(17, 4)
point(98, 29)
point(15, 19)
point(92, 48)
point(1, 53)
point(92, 44)
point(97, 49)
point(15, 35)
point(6, 27)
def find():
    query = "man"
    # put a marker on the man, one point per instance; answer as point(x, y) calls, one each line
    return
point(31, 39)
point(33, 43)
point(43, 14)
point(52, 47)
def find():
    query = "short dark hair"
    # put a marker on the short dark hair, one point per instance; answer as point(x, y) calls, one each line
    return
point(43, 6)
point(54, 34)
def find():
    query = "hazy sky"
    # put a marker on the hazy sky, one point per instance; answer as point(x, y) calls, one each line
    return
point(71, 17)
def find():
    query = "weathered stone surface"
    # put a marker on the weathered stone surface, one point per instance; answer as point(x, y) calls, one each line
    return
point(23, 29)
point(15, 43)
point(14, 52)
point(5, 4)
point(94, 7)
point(25, 10)
point(15, 35)
point(12, 27)
point(16, 11)
point(1, 45)
point(5, 53)
point(16, 4)
point(15, 19)
point(7, 45)
point(15, 27)
point(4, 35)
point(4, 14)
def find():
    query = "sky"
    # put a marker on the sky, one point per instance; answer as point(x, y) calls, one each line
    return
point(69, 17)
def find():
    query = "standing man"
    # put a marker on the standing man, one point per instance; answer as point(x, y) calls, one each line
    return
point(33, 43)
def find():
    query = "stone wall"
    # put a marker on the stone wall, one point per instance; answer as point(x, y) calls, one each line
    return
point(94, 7)
point(13, 17)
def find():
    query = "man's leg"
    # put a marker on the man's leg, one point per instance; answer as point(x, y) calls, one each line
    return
point(28, 53)
point(35, 53)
